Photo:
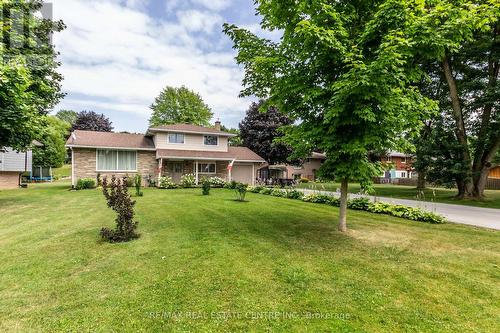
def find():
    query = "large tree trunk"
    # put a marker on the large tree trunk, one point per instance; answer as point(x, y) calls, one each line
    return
point(343, 205)
point(480, 183)
point(421, 180)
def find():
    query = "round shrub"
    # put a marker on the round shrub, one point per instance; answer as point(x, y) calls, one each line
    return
point(166, 183)
point(85, 183)
point(188, 180)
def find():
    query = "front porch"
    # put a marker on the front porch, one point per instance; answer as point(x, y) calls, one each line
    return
point(176, 168)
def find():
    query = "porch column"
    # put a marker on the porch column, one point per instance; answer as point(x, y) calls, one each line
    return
point(160, 166)
point(73, 164)
point(196, 171)
point(253, 174)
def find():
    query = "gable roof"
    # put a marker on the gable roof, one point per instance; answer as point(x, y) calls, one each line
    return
point(188, 128)
point(92, 139)
point(239, 153)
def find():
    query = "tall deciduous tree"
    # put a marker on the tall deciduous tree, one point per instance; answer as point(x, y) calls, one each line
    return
point(259, 131)
point(462, 39)
point(68, 116)
point(53, 137)
point(30, 84)
point(179, 105)
point(92, 121)
point(344, 71)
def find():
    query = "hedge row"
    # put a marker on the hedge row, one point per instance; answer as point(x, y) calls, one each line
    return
point(410, 213)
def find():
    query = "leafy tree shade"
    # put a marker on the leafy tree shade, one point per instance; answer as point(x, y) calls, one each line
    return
point(462, 40)
point(235, 140)
point(346, 74)
point(91, 121)
point(68, 116)
point(30, 85)
point(259, 132)
point(53, 137)
point(179, 105)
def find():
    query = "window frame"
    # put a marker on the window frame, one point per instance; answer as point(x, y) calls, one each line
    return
point(207, 163)
point(176, 134)
point(207, 135)
point(117, 160)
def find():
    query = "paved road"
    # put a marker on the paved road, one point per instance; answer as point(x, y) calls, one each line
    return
point(476, 216)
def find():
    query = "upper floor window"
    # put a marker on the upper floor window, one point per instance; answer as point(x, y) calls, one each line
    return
point(211, 140)
point(388, 158)
point(116, 160)
point(175, 138)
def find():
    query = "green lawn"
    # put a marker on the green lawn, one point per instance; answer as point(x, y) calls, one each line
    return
point(492, 199)
point(210, 264)
point(62, 172)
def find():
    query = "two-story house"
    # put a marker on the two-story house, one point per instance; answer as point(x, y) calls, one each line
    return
point(168, 150)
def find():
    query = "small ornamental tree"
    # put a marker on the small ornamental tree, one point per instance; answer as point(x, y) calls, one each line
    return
point(118, 199)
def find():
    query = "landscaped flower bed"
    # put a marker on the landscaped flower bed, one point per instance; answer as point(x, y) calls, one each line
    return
point(410, 213)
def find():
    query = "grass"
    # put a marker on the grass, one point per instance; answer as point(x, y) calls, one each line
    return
point(211, 264)
point(62, 172)
point(443, 195)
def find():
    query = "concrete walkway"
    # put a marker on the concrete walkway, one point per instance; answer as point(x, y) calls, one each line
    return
point(476, 216)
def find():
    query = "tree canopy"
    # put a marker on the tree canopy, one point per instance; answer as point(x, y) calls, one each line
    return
point(92, 121)
point(53, 137)
point(30, 83)
point(179, 105)
point(345, 72)
point(259, 131)
point(68, 116)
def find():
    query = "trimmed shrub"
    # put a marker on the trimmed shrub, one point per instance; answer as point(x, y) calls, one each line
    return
point(294, 194)
point(231, 185)
point(410, 213)
point(322, 198)
point(138, 185)
point(188, 180)
point(205, 186)
point(241, 191)
point(85, 183)
point(217, 182)
point(166, 183)
point(266, 190)
point(278, 193)
point(118, 199)
point(358, 203)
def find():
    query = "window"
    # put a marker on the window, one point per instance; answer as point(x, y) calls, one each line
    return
point(116, 160)
point(175, 138)
point(403, 174)
point(211, 140)
point(206, 168)
point(388, 159)
point(403, 160)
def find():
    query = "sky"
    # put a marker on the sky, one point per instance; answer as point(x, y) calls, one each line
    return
point(117, 55)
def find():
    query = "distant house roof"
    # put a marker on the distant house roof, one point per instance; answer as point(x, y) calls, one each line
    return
point(318, 155)
point(397, 154)
point(91, 139)
point(188, 128)
point(239, 153)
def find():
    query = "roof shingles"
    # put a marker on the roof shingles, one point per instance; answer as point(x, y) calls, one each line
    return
point(110, 140)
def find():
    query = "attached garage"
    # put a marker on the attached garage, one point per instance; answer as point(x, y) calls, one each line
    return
point(244, 173)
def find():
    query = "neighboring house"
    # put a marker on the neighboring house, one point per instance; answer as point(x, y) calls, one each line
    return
point(494, 172)
point(308, 169)
point(168, 150)
point(12, 165)
point(400, 165)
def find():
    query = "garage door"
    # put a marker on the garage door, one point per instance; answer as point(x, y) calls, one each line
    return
point(242, 173)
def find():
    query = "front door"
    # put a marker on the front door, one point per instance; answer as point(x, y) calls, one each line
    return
point(175, 170)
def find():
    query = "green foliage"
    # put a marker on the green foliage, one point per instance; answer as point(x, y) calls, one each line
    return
point(322, 199)
point(294, 194)
point(85, 184)
point(205, 186)
point(255, 189)
point(234, 141)
point(278, 193)
point(409, 213)
point(304, 180)
point(118, 199)
point(231, 185)
point(166, 182)
point(138, 185)
point(30, 85)
point(53, 137)
point(265, 190)
point(179, 105)
point(68, 116)
point(241, 191)
point(358, 203)
point(188, 180)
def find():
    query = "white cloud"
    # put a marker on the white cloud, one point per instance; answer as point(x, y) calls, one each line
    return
point(213, 4)
point(195, 20)
point(124, 57)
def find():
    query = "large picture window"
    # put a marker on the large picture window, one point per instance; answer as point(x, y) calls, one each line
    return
point(116, 160)
point(176, 138)
point(211, 140)
point(206, 168)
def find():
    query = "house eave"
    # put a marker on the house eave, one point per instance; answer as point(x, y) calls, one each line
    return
point(189, 132)
point(106, 147)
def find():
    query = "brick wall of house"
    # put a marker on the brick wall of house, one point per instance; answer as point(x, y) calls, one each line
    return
point(9, 179)
point(84, 165)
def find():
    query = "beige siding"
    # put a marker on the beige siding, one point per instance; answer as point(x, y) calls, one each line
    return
point(244, 173)
point(9, 179)
point(84, 165)
point(191, 142)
